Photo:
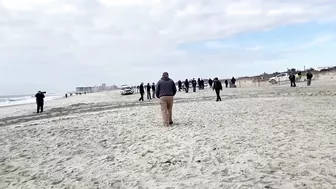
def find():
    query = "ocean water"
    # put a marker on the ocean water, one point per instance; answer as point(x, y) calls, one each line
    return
point(24, 99)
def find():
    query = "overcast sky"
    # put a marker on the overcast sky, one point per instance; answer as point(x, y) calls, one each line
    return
point(56, 45)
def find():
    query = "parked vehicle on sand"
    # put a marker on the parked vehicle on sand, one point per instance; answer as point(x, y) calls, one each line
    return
point(279, 78)
point(126, 90)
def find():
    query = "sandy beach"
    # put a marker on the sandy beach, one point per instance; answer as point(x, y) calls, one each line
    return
point(257, 137)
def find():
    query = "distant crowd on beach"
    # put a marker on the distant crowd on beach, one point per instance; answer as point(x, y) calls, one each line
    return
point(182, 86)
point(166, 89)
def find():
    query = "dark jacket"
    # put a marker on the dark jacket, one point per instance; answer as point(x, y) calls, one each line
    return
point(217, 85)
point(39, 98)
point(165, 87)
point(226, 82)
point(193, 83)
point(210, 82)
point(309, 75)
point(179, 83)
point(292, 77)
point(148, 88)
point(153, 87)
point(186, 83)
point(142, 90)
point(233, 80)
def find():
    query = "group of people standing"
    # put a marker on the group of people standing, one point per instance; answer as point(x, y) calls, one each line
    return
point(293, 79)
point(150, 89)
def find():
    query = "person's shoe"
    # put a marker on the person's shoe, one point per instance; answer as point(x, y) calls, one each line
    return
point(170, 123)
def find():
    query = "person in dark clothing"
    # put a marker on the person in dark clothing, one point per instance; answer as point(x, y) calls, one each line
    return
point(142, 92)
point(148, 87)
point(202, 84)
point(233, 80)
point(199, 83)
point(153, 90)
point(186, 85)
point(217, 87)
point(210, 82)
point(39, 101)
point(179, 84)
point(309, 78)
point(193, 82)
point(292, 79)
point(226, 83)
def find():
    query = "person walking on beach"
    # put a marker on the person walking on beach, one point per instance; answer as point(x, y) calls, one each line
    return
point(166, 90)
point(39, 101)
point(193, 82)
point(292, 79)
point(217, 87)
point(226, 83)
point(142, 92)
point(148, 87)
point(153, 90)
point(309, 78)
point(210, 82)
point(186, 85)
point(179, 84)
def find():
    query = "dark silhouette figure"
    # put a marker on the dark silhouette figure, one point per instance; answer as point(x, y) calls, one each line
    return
point(202, 84)
point(153, 90)
point(226, 83)
point(66, 95)
point(199, 83)
point(179, 84)
point(194, 84)
point(233, 81)
point(309, 78)
point(148, 87)
point(292, 79)
point(217, 87)
point(39, 101)
point(186, 85)
point(210, 82)
point(142, 92)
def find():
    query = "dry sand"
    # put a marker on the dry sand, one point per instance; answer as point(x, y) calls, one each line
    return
point(267, 137)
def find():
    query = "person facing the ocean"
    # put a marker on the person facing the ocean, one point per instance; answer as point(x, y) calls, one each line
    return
point(39, 101)
point(165, 91)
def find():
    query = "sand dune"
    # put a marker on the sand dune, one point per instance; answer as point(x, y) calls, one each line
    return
point(269, 137)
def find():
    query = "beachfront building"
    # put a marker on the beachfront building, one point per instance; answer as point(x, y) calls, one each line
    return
point(85, 89)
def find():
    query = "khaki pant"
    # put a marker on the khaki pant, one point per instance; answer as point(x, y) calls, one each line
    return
point(166, 103)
